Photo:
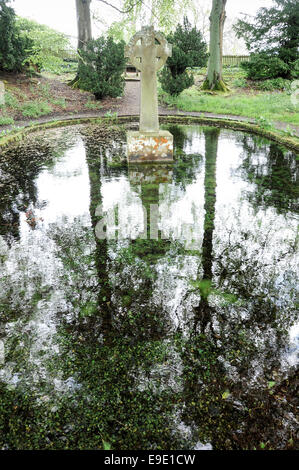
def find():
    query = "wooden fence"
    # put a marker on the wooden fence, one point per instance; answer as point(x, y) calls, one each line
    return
point(234, 59)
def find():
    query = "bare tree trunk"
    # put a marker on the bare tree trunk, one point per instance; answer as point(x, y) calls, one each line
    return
point(84, 31)
point(222, 21)
point(83, 22)
point(214, 79)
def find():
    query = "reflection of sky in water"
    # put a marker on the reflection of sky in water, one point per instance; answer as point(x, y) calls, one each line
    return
point(64, 195)
point(63, 189)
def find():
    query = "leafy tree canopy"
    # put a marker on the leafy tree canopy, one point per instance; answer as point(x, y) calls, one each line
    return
point(48, 47)
point(274, 30)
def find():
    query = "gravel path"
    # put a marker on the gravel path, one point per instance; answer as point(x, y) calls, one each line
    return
point(129, 105)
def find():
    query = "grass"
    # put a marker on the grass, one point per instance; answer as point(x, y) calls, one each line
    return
point(246, 99)
point(273, 106)
point(35, 108)
point(5, 120)
point(93, 105)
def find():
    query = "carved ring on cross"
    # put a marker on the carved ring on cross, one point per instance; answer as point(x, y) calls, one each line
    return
point(153, 46)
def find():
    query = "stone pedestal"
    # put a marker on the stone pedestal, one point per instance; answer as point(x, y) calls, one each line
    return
point(148, 51)
point(149, 146)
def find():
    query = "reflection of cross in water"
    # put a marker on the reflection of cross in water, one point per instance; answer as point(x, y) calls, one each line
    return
point(148, 57)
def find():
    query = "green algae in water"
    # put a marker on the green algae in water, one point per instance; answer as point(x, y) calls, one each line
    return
point(167, 342)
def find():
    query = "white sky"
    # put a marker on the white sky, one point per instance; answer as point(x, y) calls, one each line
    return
point(61, 14)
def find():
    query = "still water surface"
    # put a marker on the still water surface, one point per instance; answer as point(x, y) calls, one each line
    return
point(150, 306)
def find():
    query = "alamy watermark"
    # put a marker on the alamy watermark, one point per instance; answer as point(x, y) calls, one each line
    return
point(151, 225)
point(2, 93)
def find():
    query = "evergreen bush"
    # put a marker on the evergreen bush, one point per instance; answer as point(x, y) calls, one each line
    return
point(263, 66)
point(188, 50)
point(13, 46)
point(101, 67)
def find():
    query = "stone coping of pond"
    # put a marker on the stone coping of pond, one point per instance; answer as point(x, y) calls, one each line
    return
point(241, 123)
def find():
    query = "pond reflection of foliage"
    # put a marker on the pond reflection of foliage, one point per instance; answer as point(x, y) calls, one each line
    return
point(137, 380)
point(274, 172)
point(20, 164)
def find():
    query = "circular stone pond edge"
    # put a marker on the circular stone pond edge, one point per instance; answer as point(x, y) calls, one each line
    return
point(19, 134)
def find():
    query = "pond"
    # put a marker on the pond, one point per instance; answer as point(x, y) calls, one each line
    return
point(148, 306)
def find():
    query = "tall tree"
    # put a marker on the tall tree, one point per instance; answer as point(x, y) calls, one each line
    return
point(83, 22)
point(274, 30)
point(214, 79)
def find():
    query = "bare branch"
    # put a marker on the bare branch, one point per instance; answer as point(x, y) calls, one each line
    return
point(121, 11)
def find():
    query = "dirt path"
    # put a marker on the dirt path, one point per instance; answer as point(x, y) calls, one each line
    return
point(129, 105)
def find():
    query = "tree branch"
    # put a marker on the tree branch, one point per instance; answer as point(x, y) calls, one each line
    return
point(121, 11)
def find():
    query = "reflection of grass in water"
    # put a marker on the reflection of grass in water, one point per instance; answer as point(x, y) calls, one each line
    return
point(205, 289)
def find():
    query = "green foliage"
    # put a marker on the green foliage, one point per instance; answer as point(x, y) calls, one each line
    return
point(101, 67)
point(13, 46)
point(274, 33)
point(274, 84)
point(92, 105)
point(295, 69)
point(188, 50)
point(5, 120)
point(175, 85)
point(48, 47)
point(36, 108)
point(11, 101)
point(240, 82)
point(264, 123)
point(263, 66)
point(167, 13)
point(273, 106)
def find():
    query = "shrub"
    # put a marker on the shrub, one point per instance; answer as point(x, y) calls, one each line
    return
point(101, 67)
point(175, 85)
point(13, 46)
point(274, 84)
point(240, 83)
point(188, 50)
point(263, 66)
point(273, 31)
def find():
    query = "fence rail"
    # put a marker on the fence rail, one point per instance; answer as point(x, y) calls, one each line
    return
point(226, 60)
point(234, 59)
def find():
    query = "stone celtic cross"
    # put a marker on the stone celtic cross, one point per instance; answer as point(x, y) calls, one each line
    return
point(148, 51)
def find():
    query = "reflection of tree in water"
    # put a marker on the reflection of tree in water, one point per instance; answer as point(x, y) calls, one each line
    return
point(20, 166)
point(274, 171)
point(112, 359)
point(231, 365)
point(203, 310)
point(186, 166)
point(136, 379)
point(19, 170)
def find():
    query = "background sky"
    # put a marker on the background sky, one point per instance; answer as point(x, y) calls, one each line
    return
point(61, 14)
